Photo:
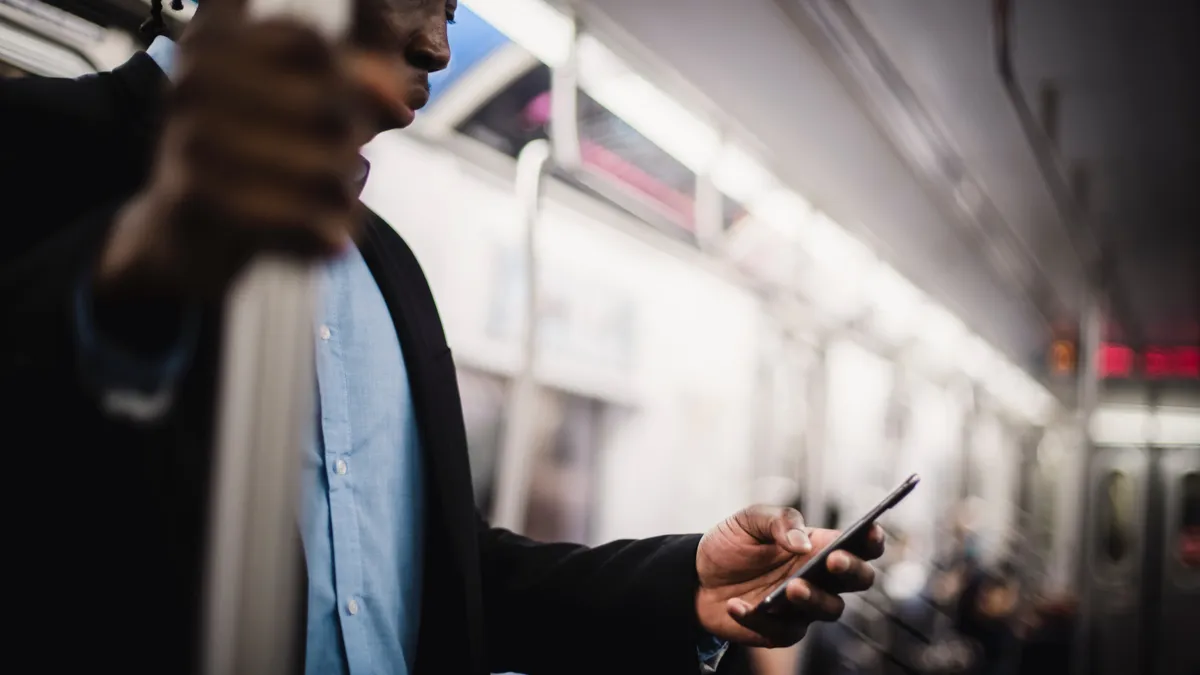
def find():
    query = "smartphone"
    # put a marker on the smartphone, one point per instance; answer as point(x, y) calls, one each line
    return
point(815, 571)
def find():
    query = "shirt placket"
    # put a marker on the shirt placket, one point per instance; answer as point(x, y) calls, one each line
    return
point(343, 510)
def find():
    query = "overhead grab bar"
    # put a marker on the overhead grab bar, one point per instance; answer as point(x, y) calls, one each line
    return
point(1094, 259)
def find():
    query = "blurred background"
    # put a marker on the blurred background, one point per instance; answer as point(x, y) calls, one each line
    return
point(694, 254)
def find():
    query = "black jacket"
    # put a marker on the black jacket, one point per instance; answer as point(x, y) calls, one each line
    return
point(105, 520)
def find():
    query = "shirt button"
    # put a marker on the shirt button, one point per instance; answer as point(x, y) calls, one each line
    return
point(325, 332)
point(352, 607)
point(340, 467)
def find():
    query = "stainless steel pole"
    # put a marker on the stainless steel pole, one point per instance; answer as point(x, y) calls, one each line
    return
point(266, 403)
point(512, 489)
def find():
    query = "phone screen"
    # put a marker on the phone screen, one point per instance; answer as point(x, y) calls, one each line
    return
point(816, 571)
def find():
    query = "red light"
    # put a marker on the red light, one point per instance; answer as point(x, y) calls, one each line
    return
point(1158, 363)
point(1115, 360)
point(1187, 362)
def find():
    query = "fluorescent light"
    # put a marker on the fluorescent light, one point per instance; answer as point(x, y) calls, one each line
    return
point(894, 300)
point(1043, 407)
point(834, 247)
point(644, 107)
point(1126, 425)
point(738, 175)
point(839, 268)
point(941, 332)
point(1176, 426)
point(783, 210)
point(1140, 425)
point(541, 29)
point(979, 361)
point(1021, 394)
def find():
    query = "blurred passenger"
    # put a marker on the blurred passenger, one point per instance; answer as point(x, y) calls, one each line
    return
point(131, 214)
point(1046, 631)
point(986, 615)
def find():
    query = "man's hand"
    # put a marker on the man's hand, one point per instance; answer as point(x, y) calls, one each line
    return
point(259, 151)
point(744, 558)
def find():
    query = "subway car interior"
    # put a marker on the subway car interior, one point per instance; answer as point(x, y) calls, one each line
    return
point(692, 255)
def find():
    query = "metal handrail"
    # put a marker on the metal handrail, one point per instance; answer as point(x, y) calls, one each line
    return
point(267, 395)
point(516, 456)
point(1093, 258)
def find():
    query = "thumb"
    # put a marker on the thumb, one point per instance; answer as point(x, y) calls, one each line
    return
point(782, 526)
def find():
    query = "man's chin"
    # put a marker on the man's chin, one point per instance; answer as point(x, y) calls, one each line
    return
point(388, 119)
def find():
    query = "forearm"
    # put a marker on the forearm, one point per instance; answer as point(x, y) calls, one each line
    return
point(133, 341)
point(627, 606)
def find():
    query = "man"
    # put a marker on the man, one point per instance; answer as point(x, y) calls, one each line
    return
point(116, 290)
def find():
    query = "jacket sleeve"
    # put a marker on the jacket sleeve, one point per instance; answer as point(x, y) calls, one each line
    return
point(627, 606)
point(88, 138)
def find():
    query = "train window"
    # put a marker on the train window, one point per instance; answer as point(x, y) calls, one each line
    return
point(612, 149)
point(1115, 522)
point(514, 117)
point(731, 212)
point(620, 165)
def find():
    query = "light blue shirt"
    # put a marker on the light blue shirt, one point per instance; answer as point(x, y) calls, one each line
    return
point(362, 525)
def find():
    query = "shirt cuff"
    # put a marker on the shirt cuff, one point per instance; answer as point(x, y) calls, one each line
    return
point(130, 383)
point(710, 651)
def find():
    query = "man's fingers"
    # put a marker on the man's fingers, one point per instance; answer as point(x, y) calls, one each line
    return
point(873, 548)
point(852, 572)
point(812, 603)
point(773, 524)
point(765, 630)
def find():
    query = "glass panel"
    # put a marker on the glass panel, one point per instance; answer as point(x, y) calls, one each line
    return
point(731, 212)
point(1115, 536)
point(515, 116)
point(612, 149)
point(620, 165)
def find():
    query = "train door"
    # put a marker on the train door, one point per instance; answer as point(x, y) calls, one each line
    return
point(1118, 498)
point(1176, 557)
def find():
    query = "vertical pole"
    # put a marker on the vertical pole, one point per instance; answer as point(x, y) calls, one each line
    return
point(1076, 557)
point(266, 402)
point(265, 406)
point(520, 431)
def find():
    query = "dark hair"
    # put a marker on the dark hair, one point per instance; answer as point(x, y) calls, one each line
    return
point(155, 25)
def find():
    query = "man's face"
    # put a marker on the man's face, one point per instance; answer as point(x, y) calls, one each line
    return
point(394, 46)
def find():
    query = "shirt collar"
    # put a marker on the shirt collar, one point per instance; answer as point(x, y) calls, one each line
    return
point(163, 50)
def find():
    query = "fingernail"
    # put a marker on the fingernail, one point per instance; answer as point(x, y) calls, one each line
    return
point(799, 541)
point(739, 610)
point(803, 592)
point(838, 564)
